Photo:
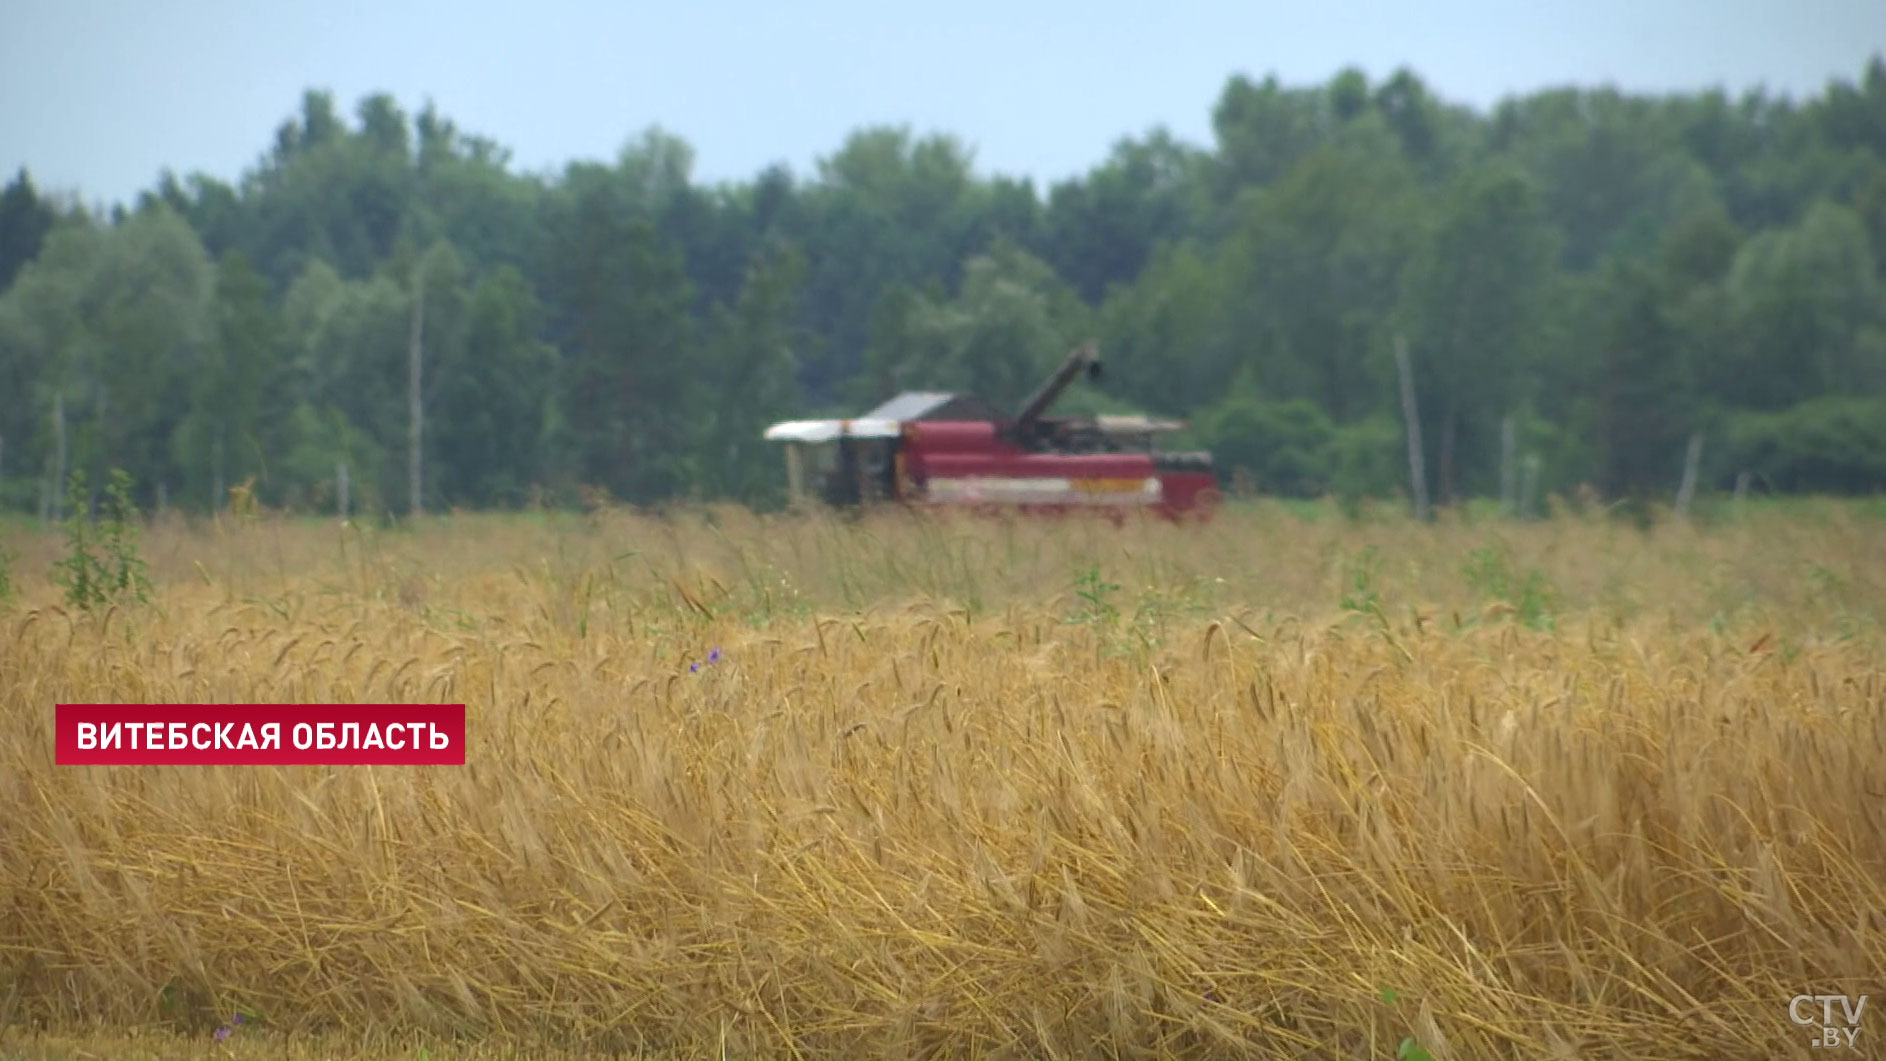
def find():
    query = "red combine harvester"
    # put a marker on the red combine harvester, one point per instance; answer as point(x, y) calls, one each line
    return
point(943, 449)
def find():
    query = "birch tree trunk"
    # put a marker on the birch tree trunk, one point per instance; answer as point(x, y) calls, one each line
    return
point(1448, 434)
point(1509, 478)
point(1417, 474)
point(1687, 492)
point(216, 471)
point(415, 400)
point(1529, 493)
point(59, 455)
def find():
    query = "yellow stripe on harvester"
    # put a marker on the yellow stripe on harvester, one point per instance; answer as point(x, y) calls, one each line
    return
point(1109, 486)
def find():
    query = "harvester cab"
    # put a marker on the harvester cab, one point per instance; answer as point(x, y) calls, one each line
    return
point(841, 462)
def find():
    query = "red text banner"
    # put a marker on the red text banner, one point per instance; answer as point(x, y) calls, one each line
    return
point(261, 734)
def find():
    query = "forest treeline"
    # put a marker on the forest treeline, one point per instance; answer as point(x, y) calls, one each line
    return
point(1599, 276)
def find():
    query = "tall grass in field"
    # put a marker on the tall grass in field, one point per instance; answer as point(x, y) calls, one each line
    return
point(1272, 787)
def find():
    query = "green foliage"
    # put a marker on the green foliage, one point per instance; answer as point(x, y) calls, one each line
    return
point(1806, 304)
point(1472, 300)
point(1834, 444)
point(102, 564)
point(1643, 415)
point(1359, 595)
point(1533, 598)
point(236, 396)
point(7, 589)
point(25, 221)
point(1409, 1049)
point(752, 351)
point(1284, 447)
point(491, 413)
point(1012, 322)
point(1096, 595)
point(1612, 272)
point(1099, 606)
point(1366, 459)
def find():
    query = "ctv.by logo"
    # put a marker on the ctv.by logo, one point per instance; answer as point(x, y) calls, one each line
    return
point(1827, 1033)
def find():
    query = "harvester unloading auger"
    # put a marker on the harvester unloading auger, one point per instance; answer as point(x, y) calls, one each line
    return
point(1085, 358)
point(950, 449)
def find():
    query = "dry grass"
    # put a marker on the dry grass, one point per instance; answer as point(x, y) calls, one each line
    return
point(1293, 789)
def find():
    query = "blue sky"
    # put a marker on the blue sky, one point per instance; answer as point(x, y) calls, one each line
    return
point(98, 96)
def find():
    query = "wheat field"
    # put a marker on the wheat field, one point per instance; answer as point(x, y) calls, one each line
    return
point(1286, 785)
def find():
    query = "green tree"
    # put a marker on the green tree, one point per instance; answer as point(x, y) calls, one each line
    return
point(25, 221)
point(1010, 325)
point(1103, 229)
point(1312, 273)
point(1612, 270)
point(1262, 131)
point(110, 323)
point(1472, 302)
point(494, 405)
point(632, 392)
point(1644, 404)
point(1807, 309)
point(237, 399)
point(1282, 447)
point(1167, 337)
point(753, 371)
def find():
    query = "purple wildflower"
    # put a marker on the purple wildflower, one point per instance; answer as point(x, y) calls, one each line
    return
point(694, 668)
point(714, 656)
point(223, 1033)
